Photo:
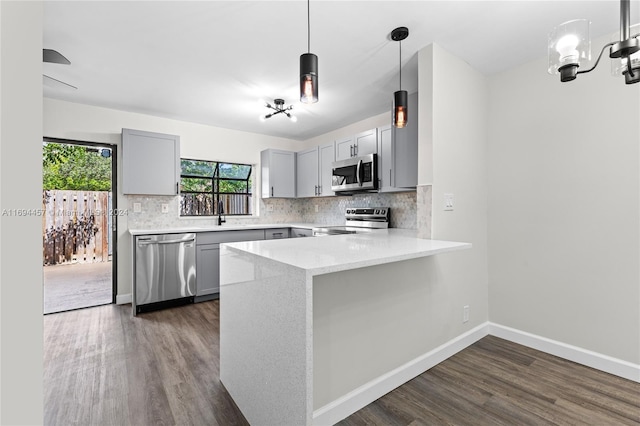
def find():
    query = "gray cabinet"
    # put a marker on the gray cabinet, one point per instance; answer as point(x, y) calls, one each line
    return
point(276, 234)
point(150, 163)
point(361, 144)
point(278, 173)
point(301, 232)
point(398, 153)
point(313, 171)
point(207, 269)
point(208, 258)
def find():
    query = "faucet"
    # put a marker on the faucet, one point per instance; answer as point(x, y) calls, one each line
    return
point(220, 213)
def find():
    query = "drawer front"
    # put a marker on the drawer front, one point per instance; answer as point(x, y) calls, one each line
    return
point(301, 232)
point(274, 234)
point(229, 236)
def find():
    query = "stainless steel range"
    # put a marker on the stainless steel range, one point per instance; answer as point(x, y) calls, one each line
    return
point(358, 220)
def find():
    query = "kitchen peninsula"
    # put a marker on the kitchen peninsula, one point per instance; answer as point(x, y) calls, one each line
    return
point(311, 328)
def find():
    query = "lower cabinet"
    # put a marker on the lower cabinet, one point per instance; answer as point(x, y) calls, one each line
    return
point(301, 232)
point(208, 256)
point(207, 269)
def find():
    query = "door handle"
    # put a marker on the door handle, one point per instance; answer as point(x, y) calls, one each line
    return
point(358, 173)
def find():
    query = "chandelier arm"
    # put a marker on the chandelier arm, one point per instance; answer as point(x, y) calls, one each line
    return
point(598, 60)
point(629, 68)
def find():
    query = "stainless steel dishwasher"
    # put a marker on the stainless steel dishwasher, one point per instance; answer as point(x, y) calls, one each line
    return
point(165, 271)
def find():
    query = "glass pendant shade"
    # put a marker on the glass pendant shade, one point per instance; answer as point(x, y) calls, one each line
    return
point(619, 66)
point(569, 48)
point(308, 78)
point(400, 108)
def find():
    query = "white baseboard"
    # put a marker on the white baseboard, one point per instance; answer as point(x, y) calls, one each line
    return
point(586, 357)
point(123, 299)
point(369, 392)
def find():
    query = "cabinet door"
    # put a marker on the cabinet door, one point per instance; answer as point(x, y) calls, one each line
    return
point(150, 163)
point(367, 142)
point(385, 157)
point(327, 155)
point(278, 173)
point(307, 173)
point(344, 149)
point(207, 269)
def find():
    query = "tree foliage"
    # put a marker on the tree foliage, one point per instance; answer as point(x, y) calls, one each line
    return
point(199, 176)
point(74, 167)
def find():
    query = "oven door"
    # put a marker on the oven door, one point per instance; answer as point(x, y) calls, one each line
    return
point(355, 174)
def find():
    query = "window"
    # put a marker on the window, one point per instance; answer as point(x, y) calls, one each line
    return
point(208, 188)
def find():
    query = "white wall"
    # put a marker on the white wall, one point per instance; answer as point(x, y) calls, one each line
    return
point(21, 329)
point(457, 138)
point(66, 120)
point(564, 245)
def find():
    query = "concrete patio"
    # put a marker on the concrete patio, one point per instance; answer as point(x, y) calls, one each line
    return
point(76, 286)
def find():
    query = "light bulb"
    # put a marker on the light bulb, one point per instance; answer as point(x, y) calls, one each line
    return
point(401, 118)
point(566, 47)
point(307, 91)
point(293, 118)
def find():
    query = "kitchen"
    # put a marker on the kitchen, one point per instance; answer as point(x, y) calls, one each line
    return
point(531, 194)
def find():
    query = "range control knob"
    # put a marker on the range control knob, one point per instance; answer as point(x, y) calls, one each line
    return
point(377, 211)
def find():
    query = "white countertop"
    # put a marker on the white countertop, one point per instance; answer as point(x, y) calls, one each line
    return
point(225, 227)
point(322, 255)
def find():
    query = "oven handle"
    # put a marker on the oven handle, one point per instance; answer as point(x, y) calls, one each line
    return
point(358, 173)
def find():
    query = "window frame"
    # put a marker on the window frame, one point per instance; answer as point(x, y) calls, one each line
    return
point(215, 193)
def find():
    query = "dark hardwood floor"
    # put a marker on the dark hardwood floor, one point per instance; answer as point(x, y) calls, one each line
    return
point(104, 367)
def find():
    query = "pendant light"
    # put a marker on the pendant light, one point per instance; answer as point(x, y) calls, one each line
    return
point(569, 45)
point(400, 98)
point(308, 70)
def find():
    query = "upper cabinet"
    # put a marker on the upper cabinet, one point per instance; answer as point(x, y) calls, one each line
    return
point(150, 163)
point(278, 173)
point(398, 153)
point(313, 175)
point(361, 144)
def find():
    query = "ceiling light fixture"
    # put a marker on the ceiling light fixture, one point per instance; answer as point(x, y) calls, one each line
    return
point(569, 43)
point(278, 107)
point(308, 70)
point(400, 98)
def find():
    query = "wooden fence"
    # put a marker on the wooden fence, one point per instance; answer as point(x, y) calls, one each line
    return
point(76, 226)
point(202, 204)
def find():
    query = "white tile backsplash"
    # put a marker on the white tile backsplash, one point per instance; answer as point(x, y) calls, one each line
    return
point(330, 211)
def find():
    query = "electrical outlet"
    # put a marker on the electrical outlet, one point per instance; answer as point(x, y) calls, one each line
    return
point(316, 208)
point(448, 202)
point(165, 208)
point(465, 313)
point(270, 208)
point(137, 208)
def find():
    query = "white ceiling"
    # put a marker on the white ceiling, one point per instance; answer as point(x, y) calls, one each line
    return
point(211, 62)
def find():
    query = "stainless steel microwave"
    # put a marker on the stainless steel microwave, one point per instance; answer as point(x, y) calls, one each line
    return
point(356, 174)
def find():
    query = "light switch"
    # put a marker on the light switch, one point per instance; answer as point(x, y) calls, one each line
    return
point(448, 202)
point(137, 207)
point(165, 208)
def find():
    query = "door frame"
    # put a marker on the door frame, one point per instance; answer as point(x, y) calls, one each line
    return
point(114, 202)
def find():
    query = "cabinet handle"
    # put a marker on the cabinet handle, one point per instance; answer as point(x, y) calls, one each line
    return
point(319, 189)
point(177, 188)
point(390, 184)
point(272, 191)
point(355, 150)
point(350, 150)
